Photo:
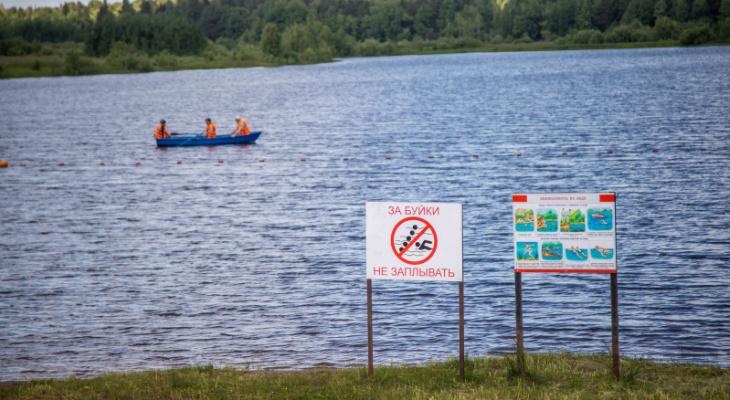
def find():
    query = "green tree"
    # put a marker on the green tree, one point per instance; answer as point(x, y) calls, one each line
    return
point(145, 7)
point(660, 9)
point(469, 22)
point(447, 13)
point(425, 21)
point(682, 10)
point(700, 10)
point(642, 10)
point(560, 16)
point(271, 40)
point(583, 19)
point(725, 9)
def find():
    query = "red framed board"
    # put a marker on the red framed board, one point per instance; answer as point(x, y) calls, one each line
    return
point(564, 232)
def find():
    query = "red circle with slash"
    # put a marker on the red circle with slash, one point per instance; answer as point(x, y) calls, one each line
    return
point(413, 240)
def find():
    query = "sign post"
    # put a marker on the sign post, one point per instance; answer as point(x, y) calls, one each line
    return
point(416, 242)
point(565, 233)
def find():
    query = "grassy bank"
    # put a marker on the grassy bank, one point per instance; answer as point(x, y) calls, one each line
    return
point(67, 59)
point(549, 376)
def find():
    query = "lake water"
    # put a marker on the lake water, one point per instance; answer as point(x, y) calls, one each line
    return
point(250, 256)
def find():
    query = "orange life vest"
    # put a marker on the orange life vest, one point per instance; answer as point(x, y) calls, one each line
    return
point(210, 130)
point(160, 131)
point(243, 127)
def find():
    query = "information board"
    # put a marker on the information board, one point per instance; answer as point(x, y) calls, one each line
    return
point(414, 241)
point(564, 232)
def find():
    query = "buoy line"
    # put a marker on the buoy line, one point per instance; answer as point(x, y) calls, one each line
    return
point(615, 154)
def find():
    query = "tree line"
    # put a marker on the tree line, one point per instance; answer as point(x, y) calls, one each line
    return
point(318, 29)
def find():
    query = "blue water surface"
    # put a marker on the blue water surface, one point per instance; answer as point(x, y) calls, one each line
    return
point(255, 255)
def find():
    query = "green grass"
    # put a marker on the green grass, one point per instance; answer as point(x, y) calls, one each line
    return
point(551, 376)
point(55, 63)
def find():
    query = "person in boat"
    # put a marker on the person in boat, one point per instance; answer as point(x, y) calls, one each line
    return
point(241, 127)
point(210, 129)
point(161, 130)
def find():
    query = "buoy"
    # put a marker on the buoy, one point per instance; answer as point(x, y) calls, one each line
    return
point(138, 163)
point(345, 159)
point(220, 161)
point(430, 157)
point(702, 149)
point(387, 158)
point(22, 165)
point(261, 160)
point(179, 162)
point(565, 154)
point(655, 151)
point(610, 152)
point(61, 164)
point(303, 159)
point(519, 154)
point(3, 163)
point(475, 156)
point(101, 163)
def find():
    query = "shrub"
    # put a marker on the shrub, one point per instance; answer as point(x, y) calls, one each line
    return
point(369, 48)
point(634, 32)
point(166, 60)
point(586, 36)
point(696, 35)
point(666, 28)
point(524, 39)
point(75, 64)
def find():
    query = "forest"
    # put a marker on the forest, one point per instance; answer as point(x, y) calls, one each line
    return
point(145, 35)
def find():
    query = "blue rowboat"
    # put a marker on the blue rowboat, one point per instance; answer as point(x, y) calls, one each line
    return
point(201, 140)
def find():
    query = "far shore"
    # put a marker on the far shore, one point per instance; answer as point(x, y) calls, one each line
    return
point(58, 64)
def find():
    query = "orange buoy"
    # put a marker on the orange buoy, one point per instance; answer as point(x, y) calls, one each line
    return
point(565, 154)
point(345, 159)
point(179, 162)
point(22, 165)
point(261, 160)
point(61, 164)
point(101, 163)
point(610, 152)
point(387, 158)
point(702, 149)
point(430, 157)
point(519, 154)
point(655, 151)
point(303, 159)
point(3, 163)
point(220, 161)
point(475, 156)
point(138, 163)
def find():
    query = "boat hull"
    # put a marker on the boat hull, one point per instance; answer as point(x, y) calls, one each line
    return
point(201, 140)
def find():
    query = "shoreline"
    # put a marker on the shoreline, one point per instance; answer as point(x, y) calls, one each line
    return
point(546, 375)
point(54, 65)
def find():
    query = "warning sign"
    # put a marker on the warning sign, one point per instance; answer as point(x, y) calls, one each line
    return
point(414, 240)
point(421, 241)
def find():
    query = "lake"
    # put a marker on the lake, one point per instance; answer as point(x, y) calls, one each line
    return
point(133, 257)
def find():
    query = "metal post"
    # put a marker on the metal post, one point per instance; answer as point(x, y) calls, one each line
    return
point(518, 317)
point(370, 327)
point(614, 326)
point(461, 331)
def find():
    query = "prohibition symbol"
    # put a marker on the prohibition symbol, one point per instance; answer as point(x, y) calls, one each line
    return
point(413, 240)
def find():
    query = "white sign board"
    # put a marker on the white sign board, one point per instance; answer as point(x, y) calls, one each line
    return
point(414, 241)
point(564, 232)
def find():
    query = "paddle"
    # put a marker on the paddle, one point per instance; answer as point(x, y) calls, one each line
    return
point(191, 138)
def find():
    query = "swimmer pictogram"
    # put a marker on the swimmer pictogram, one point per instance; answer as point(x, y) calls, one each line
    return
point(413, 240)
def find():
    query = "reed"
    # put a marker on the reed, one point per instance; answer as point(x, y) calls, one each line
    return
point(552, 376)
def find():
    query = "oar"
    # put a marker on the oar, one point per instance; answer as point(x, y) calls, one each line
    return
point(194, 137)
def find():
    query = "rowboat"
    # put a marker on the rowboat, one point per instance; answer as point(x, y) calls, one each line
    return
point(189, 139)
